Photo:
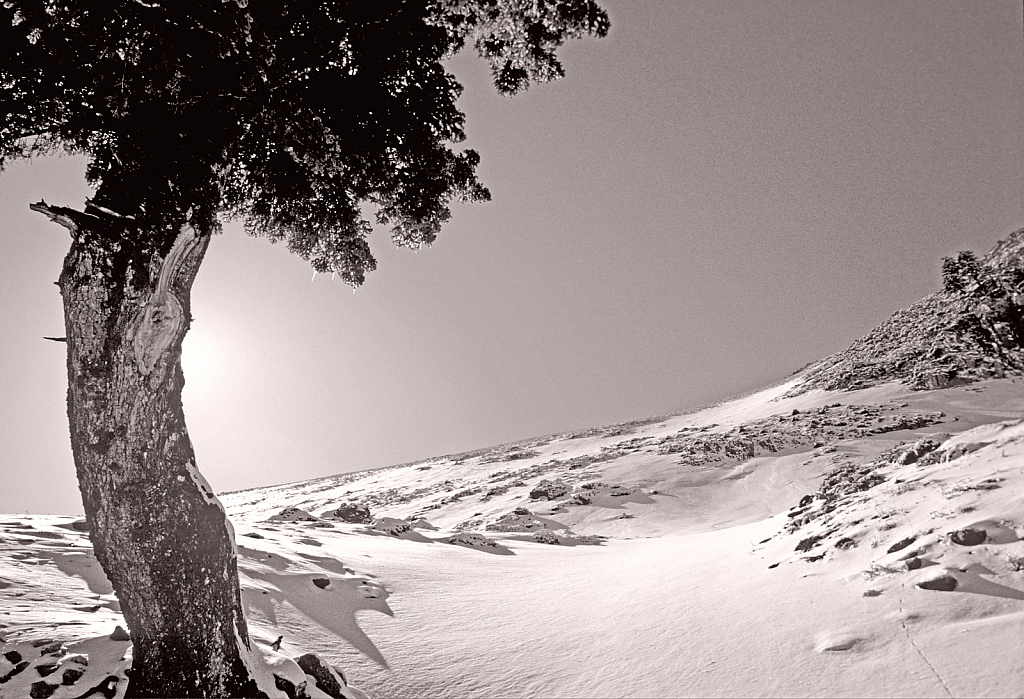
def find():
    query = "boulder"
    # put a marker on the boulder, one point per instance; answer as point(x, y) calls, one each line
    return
point(392, 526)
point(292, 514)
point(549, 490)
point(943, 583)
point(546, 536)
point(71, 675)
point(291, 690)
point(353, 513)
point(14, 671)
point(901, 544)
point(326, 678)
point(288, 676)
point(472, 540)
point(42, 690)
point(46, 669)
point(968, 536)
point(516, 522)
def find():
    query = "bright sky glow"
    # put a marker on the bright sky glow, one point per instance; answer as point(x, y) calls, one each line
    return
point(204, 364)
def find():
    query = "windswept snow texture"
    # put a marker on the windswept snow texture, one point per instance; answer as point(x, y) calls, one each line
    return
point(852, 543)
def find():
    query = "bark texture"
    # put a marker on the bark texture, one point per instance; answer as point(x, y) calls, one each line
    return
point(158, 530)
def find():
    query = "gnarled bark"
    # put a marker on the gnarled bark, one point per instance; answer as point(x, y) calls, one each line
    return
point(158, 530)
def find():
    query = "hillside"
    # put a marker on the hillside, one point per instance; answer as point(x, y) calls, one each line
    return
point(855, 530)
point(947, 338)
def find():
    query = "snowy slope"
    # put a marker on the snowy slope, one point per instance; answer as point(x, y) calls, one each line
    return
point(691, 555)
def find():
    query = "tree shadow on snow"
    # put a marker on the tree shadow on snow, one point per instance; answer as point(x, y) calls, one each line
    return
point(330, 597)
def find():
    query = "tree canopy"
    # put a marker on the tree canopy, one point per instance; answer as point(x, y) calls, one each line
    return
point(289, 115)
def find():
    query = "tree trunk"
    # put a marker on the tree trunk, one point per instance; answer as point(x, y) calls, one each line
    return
point(158, 530)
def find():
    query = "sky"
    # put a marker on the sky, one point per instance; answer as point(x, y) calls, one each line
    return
point(718, 193)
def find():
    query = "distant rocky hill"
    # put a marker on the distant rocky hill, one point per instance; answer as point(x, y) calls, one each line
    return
point(973, 329)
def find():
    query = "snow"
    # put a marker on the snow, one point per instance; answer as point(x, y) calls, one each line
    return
point(695, 580)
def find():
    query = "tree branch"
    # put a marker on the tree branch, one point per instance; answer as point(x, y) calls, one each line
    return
point(58, 215)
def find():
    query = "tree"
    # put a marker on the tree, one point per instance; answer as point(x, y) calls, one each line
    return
point(288, 115)
point(991, 296)
point(961, 273)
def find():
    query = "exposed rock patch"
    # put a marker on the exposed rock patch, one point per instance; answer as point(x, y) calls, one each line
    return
point(549, 490)
point(952, 337)
point(353, 513)
point(293, 514)
point(325, 677)
point(392, 526)
point(943, 583)
point(817, 427)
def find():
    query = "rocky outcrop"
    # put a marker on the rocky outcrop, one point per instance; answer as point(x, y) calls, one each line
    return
point(816, 427)
point(954, 336)
point(549, 490)
point(521, 520)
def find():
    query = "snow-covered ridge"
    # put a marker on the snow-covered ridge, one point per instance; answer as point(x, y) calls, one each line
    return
point(866, 541)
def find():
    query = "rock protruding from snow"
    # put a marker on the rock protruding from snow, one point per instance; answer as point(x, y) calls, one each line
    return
point(46, 668)
point(968, 536)
point(918, 450)
point(288, 676)
point(392, 526)
point(478, 541)
point(327, 680)
point(941, 583)
point(549, 490)
point(293, 514)
point(516, 522)
point(566, 538)
point(353, 513)
point(816, 427)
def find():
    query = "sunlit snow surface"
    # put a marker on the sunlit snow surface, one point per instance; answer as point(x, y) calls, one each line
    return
point(672, 578)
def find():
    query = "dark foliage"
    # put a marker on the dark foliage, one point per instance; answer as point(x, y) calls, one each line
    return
point(961, 272)
point(289, 115)
point(993, 298)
